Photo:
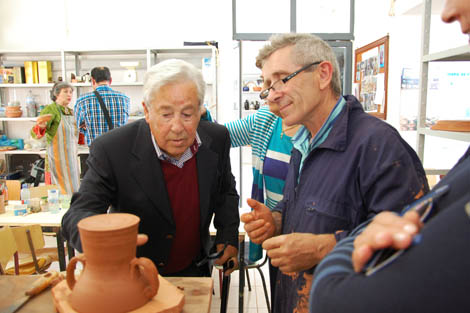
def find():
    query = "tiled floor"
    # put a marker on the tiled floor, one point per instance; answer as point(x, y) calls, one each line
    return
point(254, 300)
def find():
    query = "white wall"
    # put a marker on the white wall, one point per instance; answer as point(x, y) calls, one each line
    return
point(121, 24)
point(372, 22)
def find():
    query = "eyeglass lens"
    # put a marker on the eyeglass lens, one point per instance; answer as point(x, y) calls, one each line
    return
point(265, 93)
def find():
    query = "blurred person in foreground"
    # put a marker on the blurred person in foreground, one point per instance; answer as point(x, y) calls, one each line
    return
point(346, 165)
point(169, 169)
point(427, 268)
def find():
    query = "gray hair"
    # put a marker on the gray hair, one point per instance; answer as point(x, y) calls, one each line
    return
point(307, 48)
point(171, 71)
point(57, 88)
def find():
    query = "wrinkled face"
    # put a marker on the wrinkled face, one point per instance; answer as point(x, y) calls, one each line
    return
point(296, 100)
point(457, 10)
point(64, 97)
point(173, 117)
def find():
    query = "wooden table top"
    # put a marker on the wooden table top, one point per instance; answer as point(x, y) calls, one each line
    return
point(197, 293)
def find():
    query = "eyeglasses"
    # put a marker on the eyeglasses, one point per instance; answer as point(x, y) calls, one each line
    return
point(281, 82)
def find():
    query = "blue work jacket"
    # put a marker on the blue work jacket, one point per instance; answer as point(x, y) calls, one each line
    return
point(362, 168)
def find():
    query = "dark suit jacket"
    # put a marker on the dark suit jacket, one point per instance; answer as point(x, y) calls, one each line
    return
point(124, 172)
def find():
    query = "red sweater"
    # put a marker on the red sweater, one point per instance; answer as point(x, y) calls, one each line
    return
point(183, 192)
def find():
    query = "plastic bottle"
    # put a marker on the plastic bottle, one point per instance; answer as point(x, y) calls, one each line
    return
point(25, 194)
point(31, 110)
point(53, 200)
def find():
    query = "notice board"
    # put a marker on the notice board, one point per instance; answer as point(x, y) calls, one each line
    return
point(371, 76)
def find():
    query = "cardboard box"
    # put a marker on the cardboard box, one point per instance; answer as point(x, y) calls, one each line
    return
point(31, 72)
point(7, 75)
point(14, 189)
point(18, 73)
point(40, 191)
point(45, 72)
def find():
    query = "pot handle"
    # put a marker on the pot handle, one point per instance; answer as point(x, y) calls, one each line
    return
point(71, 269)
point(145, 269)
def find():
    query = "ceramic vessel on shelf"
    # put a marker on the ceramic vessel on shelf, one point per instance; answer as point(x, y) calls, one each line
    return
point(13, 111)
point(112, 280)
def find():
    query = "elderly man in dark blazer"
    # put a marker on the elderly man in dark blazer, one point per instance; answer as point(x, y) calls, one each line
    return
point(171, 170)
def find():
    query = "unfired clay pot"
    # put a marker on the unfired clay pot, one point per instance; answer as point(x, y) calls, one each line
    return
point(113, 279)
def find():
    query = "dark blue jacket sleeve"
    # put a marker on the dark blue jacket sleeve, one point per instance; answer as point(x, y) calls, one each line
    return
point(431, 276)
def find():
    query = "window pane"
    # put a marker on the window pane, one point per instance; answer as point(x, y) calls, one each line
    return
point(323, 16)
point(262, 16)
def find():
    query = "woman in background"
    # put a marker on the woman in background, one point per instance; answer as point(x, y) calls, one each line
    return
point(57, 123)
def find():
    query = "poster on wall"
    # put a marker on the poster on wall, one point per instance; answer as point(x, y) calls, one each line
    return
point(371, 77)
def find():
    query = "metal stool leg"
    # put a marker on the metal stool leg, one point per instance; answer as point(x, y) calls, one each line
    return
point(248, 279)
point(265, 289)
point(225, 292)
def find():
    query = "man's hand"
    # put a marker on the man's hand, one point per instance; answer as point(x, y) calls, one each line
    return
point(385, 231)
point(298, 251)
point(230, 253)
point(259, 223)
point(142, 239)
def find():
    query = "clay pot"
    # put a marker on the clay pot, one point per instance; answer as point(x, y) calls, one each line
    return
point(113, 279)
point(13, 111)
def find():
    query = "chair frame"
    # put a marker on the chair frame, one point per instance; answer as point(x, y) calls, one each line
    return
point(32, 251)
point(257, 266)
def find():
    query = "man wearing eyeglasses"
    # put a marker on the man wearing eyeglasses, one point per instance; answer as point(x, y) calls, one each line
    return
point(346, 165)
point(426, 264)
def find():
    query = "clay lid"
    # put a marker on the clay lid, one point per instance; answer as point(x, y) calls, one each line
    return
point(106, 222)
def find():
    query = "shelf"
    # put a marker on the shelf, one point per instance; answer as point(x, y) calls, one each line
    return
point(29, 53)
point(189, 49)
point(135, 118)
point(455, 54)
point(462, 136)
point(33, 119)
point(42, 152)
point(106, 52)
point(112, 84)
point(26, 85)
point(430, 171)
point(18, 119)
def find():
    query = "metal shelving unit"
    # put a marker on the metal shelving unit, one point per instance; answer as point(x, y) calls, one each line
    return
point(80, 62)
point(454, 54)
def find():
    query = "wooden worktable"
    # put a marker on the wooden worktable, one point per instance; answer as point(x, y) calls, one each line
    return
point(197, 294)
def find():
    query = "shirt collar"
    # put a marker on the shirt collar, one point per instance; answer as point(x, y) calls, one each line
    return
point(103, 87)
point(187, 154)
point(303, 141)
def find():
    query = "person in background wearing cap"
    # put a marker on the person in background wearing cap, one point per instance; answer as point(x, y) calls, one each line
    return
point(57, 123)
point(430, 270)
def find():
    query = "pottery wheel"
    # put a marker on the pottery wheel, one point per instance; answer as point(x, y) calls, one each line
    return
point(169, 299)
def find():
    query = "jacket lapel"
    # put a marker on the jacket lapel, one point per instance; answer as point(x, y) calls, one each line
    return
point(148, 173)
point(206, 161)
